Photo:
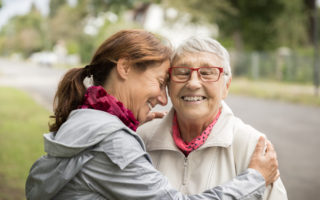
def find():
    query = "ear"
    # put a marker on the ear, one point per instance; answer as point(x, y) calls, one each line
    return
point(123, 68)
point(226, 89)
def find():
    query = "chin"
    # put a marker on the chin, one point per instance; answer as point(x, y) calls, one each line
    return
point(142, 117)
point(139, 118)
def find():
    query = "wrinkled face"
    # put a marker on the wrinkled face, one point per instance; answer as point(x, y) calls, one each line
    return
point(196, 99)
point(147, 89)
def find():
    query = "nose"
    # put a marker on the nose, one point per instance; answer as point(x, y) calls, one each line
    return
point(194, 82)
point(162, 98)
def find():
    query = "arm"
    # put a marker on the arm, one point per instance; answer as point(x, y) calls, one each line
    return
point(245, 140)
point(139, 180)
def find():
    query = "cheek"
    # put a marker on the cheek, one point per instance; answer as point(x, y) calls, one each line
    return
point(152, 91)
point(173, 90)
point(216, 93)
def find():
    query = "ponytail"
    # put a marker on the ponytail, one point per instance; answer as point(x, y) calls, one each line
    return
point(140, 47)
point(69, 96)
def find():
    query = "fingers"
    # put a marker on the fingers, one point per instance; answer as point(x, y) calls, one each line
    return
point(159, 114)
point(271, 153)
point(269, 147)
point(150, 117)
point(264, 159)
point(154, 115)
point(260, 146)
point(276, 177)
point(272, 177)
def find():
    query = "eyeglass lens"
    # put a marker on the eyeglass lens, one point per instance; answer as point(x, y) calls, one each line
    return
point(206, 73)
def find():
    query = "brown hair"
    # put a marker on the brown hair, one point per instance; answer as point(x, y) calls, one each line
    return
point(141, 48)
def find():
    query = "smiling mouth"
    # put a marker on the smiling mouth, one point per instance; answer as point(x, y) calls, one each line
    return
point(193, 98)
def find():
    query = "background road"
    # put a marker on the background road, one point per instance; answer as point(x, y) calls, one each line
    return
point(41, 82)
point(293, 129)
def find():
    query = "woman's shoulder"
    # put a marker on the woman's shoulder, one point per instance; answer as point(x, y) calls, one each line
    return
point(245, 138)
point(245, 132)
point(146, 130)
point(156, 127)
point(122, 147)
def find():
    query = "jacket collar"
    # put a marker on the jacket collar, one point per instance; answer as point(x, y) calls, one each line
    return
point(84, 129)
point(221, 134)
point(162, 139)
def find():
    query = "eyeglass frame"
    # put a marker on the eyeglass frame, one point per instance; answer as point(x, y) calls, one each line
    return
point(221, 70)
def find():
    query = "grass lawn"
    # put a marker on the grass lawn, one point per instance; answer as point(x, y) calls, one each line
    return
point(22, 123)
point(290, 92)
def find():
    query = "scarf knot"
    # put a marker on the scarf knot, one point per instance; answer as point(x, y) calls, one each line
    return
point(97, 98)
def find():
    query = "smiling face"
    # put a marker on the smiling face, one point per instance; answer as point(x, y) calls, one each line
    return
point(147, 88)
point(196, 99)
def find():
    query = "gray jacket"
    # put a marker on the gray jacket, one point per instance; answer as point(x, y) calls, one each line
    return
point(95, 156)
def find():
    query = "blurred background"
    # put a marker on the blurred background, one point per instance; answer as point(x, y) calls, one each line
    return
point(274, 48)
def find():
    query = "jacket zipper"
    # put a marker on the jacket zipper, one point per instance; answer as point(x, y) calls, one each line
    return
point(185, 173)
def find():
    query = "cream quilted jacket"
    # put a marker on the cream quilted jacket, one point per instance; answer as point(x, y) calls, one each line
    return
point(225, 154)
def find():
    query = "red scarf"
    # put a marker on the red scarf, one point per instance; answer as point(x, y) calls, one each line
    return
point(194, 144)
point(97, 98)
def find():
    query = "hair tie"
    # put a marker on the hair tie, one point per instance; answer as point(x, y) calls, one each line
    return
point(87, 70)
point(88, 79)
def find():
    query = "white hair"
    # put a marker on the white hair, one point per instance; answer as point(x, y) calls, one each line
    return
point(197, 44)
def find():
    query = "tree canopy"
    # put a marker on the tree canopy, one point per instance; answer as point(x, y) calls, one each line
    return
point(243, 24)
point(24, 34)
point(255, 25)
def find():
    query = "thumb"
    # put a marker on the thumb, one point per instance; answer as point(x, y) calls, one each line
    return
point(260, 146)
point(150, 117)
point(159, 114)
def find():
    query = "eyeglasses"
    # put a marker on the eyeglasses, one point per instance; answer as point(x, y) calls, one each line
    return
point(183, 74)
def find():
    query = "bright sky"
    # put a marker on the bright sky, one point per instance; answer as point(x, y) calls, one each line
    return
point(20, 7)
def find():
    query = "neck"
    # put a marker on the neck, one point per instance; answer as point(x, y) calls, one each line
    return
point(191, 128)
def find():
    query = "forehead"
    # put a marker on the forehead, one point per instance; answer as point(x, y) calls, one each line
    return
point(159, 69)
point(198, 59)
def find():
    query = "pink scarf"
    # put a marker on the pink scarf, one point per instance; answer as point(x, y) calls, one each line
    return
point(97, 98)
point(194, 144)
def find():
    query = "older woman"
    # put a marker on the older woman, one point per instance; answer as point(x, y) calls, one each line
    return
point(200, 143)
point(93, 151)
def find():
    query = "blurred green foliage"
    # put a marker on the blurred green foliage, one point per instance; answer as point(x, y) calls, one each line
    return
point(255, 25)
point(244, 25)
point(22, 124)
point(24, 34)
point(65, 23)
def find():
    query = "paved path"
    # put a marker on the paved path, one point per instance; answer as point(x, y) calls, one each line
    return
point(40, 82)
point(295, 132)
point(293, 129)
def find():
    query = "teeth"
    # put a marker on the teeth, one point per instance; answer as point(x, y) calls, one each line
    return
point(197, 98)
point(150, 106)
